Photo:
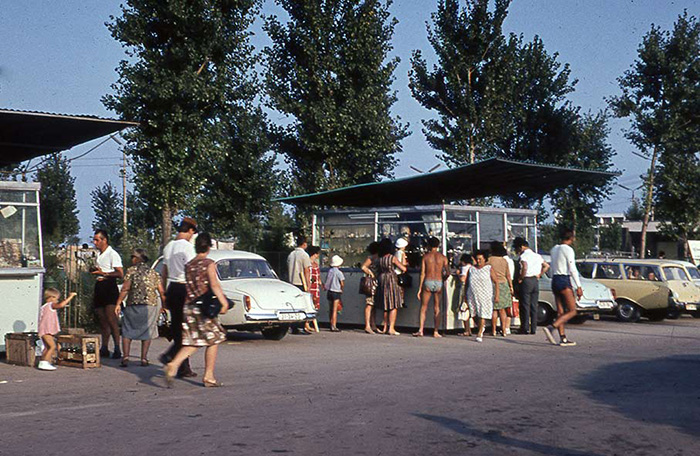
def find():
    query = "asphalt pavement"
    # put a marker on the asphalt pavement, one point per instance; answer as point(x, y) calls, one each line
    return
point(626, 389)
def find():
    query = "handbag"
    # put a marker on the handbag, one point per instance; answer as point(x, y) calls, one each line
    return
point(165, 328)
point(367, 285)
point(514, 310)
point(208, 304)
point(405, 280)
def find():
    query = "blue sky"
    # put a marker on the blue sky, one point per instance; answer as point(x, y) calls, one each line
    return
point(59, 57)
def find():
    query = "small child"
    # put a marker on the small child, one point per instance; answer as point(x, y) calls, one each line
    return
point(335, 282)
point(49, 325)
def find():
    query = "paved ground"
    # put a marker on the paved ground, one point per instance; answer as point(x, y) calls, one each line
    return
point(627, 389)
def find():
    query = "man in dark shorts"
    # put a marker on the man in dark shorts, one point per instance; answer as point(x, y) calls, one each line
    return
point(108, 269)
point(176, 254)
point(563, 272)
point(434, 268)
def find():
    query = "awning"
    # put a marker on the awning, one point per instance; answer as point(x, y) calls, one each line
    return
point(492, 177)
point(27, 134)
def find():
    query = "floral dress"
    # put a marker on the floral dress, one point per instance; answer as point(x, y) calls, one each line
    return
point(315, 288)
point(480, 292)
point(388, 294)
point(198, 330)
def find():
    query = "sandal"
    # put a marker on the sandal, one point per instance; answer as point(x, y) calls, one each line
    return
point(124, 362)
point(169, 376)
point(144, 362)
point(211, 383)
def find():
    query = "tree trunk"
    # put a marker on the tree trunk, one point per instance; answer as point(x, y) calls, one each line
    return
point(166, 224)
point(647, 205)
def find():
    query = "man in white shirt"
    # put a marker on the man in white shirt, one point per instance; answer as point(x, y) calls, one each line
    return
point(299, 269)
point(108, 269)
point(176, 254)
point(532, 266)
point(564, 271)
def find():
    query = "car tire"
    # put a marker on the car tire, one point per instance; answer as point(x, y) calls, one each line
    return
point(658, 314)
point(545, 314)
point(627, 311)
point(695, 313)
point(673, 313)
point(274, 332)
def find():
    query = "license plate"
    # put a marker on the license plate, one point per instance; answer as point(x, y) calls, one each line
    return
point(691, 307)
point(289, 316)
point(605, 305)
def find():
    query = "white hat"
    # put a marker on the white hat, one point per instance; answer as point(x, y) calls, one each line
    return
point(401, 243)
point(336, 261)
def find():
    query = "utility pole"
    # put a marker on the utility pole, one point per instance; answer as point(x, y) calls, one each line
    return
point(124, 192)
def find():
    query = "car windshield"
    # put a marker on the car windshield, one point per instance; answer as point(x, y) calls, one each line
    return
point(693, 272)
point(244, 268)
point(675, 273)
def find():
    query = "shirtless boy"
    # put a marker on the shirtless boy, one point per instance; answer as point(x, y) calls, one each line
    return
point(433, 268)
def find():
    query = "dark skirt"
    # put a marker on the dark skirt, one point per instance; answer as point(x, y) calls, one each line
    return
point(106, 292)
point(140, 322)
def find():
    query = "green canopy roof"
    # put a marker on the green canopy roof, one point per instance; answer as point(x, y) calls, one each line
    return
point(491, 177)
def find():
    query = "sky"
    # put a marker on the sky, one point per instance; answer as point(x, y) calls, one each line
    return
point(59, 57)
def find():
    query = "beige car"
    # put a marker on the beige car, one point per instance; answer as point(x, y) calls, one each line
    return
point(643, 288)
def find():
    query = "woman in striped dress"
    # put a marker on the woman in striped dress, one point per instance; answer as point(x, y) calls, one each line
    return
point(482, 291)
point(388, 294)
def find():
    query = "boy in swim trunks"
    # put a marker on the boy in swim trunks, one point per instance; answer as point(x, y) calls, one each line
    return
point(434, 269)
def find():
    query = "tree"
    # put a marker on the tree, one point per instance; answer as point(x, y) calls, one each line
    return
point(328, 71)
point(635, 212)
point(59, 208)
point(661, 96)
point(107, 205)
point(611, 237)
point(183, 58)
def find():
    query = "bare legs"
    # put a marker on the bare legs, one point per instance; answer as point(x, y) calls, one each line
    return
point(424, 302)
point(334, 313)
point(565, 300)
point(505, 321)
point(126, 348)
point(187, 351)
point(49, 347)
point(370, 325)
point(109, 325)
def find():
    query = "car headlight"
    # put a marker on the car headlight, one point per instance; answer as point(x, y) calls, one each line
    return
point(674, 295)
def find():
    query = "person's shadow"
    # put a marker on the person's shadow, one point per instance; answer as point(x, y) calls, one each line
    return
point(662, 390)
point(466, 430)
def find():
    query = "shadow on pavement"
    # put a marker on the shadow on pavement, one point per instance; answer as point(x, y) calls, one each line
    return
point(497, 437)
point(661, 390)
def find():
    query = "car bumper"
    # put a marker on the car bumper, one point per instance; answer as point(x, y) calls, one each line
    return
point(686, 306)
point(600, 305)
point(279, 317)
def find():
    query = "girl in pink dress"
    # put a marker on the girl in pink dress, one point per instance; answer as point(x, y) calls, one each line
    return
point(49, 325)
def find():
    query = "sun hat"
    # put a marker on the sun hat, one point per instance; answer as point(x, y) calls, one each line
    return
point(336, 261)
point(401, 243)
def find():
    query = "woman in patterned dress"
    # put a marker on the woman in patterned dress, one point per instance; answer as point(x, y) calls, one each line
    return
point(142, 285)
point(198, 330)
point(504, 282)
point(480, 291)
point(370, 268)
point(315, 286)
point(388, 294)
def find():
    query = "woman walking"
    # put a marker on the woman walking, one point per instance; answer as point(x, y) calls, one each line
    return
point(388, 294)
point(480, 291)
point(314, 252)
point(371, 269)
point(504, 282)
point(198, 330)
point(142, 285)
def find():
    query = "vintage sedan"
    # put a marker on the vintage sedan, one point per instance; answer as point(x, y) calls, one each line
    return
point(261, 300)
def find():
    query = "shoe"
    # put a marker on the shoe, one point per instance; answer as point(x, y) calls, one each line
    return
point(46, 366)
point(104, 353)
point(507, 331)
point(144, 362)
point(523, 332)
point(532, 333)
point(567, 343)
point(116, 354)
point(211, 384)
point(124, 363)
point(548, 334)
point(165, 358)
point(479, 339)
point(335, 329)
point(186, 374)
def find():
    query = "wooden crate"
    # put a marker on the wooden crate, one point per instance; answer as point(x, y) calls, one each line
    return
point(79, 350)
point(21, 348)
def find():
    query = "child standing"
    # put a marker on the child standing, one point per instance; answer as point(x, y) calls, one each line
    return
point(335, 282)
point(49, 325)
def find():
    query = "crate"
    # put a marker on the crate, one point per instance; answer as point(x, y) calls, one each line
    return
point(21, 348)
point(79, 350)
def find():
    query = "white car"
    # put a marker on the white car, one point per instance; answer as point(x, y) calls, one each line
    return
point(261, 300)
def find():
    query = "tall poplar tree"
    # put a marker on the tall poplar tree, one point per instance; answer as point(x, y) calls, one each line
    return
point(329, 72)
point(59, 207)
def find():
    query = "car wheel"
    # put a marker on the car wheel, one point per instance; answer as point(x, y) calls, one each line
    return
point(578, 319)
point(275, 332)
point(627, 312)
point(658, 314)
point(545, 315)
point(673, 313)
point(695, 314)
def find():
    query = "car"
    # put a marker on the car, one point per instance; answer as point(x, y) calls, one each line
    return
point(261, 300)
point(597, 299)
point(694, 275)
point(644, 288)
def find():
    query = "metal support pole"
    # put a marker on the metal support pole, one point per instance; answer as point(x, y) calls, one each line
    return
point(376, 226)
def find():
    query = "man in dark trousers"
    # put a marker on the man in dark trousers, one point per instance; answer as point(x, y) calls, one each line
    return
point(176, 254)
point(532, 266)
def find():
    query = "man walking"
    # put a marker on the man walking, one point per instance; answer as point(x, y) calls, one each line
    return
point(563, 272)
point(176, 254)
point(434, 268)
point(532, 266)
point(299, 268)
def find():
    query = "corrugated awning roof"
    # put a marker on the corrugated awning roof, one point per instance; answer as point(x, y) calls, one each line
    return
point(29, 134)
point(492, 177)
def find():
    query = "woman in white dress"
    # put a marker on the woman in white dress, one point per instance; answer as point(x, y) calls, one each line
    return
point(482, 291)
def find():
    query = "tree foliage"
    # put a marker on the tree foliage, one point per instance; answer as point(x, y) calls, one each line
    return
point(328, 70)
point(59, 208)
point(188, 62)
point(108, 207)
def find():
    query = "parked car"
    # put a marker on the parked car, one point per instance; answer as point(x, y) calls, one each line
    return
point(643, 288)
point(597, 298)
point(692, 271)
point(261, 300)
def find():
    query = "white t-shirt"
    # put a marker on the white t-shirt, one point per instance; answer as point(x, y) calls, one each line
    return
point(511, 266)
point(176, 255)
point(400, 255)
point(109, 259)
point(564, 262)
point(534, 262)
